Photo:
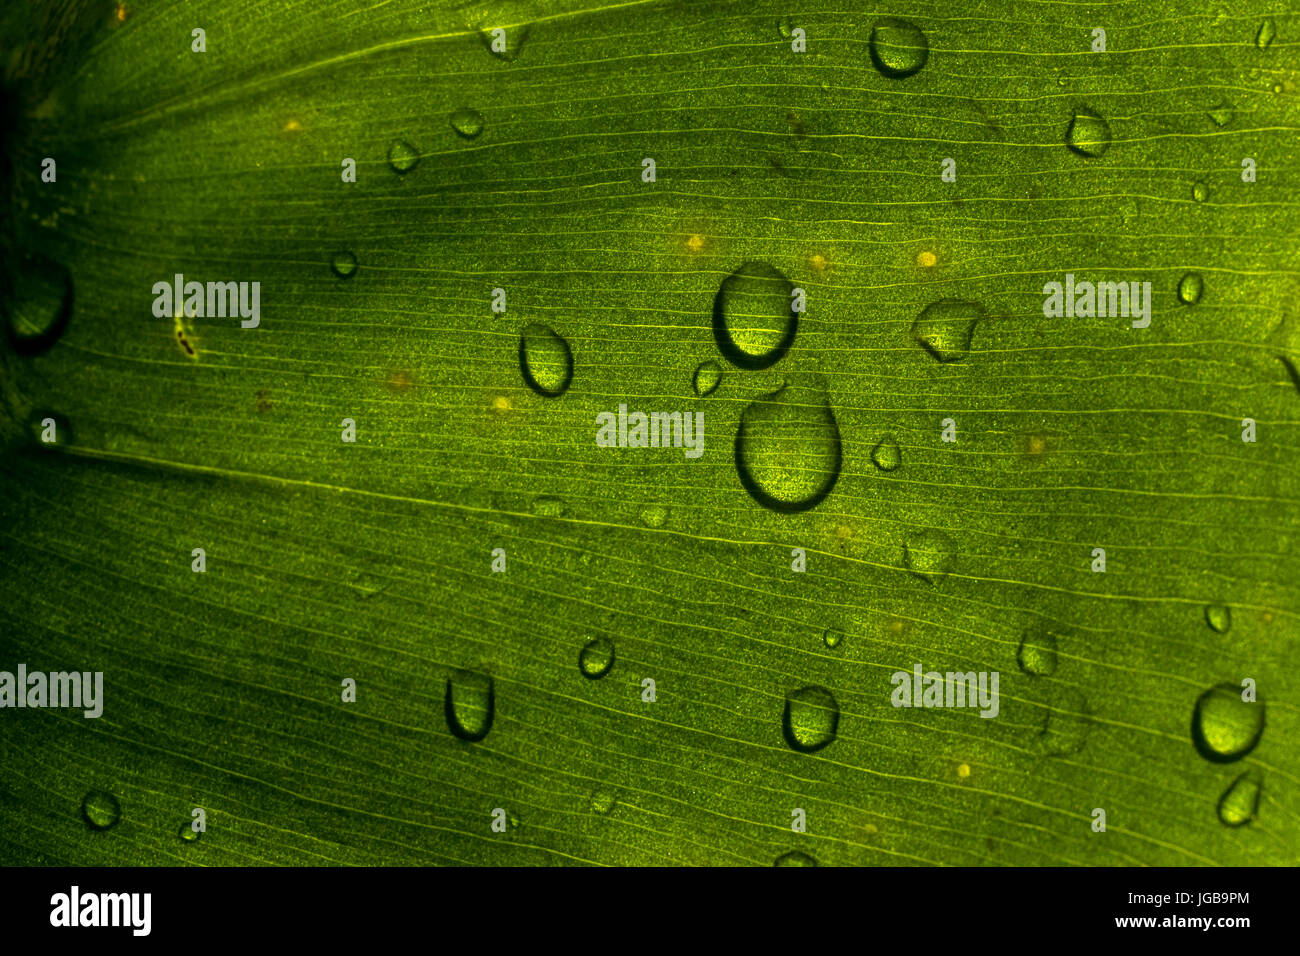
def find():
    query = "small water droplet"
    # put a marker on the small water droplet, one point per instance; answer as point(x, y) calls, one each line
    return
point(1225, 727)
point(37, 301)
point(929, 554)
point(602, 801)
point(101, 809)
point(786, 26)
point(505, 43)
point(898, 48)
point(795, 858)
point(832, 638)
point(1200, 192)
point(1240, 802)
point(467, 122)
point(788, 451)
point(402, 156)
point(1221, 116)
point(188, 833)
point(548, 506)
point(1219, 617)
point(470, 704)
point(1065, 726)
point(596, 657)
point(1037, 654)
point(1190, 287)
point(1089, 133)
point(753, 320)
point(654, 516)
point(708, 376)
point(887, 455)
point(811, 719)
point(945, 328)
point(514, 822)
point(344, 264)
point(1267, 31)
point(545, 360)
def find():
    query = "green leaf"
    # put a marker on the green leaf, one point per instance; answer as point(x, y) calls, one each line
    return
point(475, 429)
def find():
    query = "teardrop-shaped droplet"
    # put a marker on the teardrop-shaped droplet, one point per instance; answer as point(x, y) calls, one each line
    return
point(929, 554)
point(654, 516)
point(1089, 133)
point(795, 858)
point(898, 48)
point(946, 327)
point(708, 376)
point(37, 302)
point(402, 156)
point(187, 832)
point(811, 719)
point(1190, 287)
point(344, 264)
point(505, 43)
point(832, 638)
point(754, 321)
point(101, 809)
point(788, 450)
point(1219, 617)
point(1240, 802)
point(596, 657)
point(1264, 36)
point(470, 704)
point(1037, 654)
point(887, 455)
point(1221, 116)
point(1225, 727)
point(1200, 192)
point(545, 360)
point(467, 122)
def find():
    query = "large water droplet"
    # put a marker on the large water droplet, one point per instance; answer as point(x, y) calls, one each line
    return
point(596, 657)
point(344, 264)
point(1267, 31)
point(1219, 617)
point(795, 858)
point(1240, 802)
point(753, 320)
point(1225, 727)
point(788, 451)
point(467, 122)
point(402, 156)
point(945, 328)
point(1190, 287)
point(545, 360)
point(1089, 133)
point(470, 704)
point(37, 301)
point(929, 554)
point(708, 376)
point(812, 716)
point(887, 455)
point(1037, 654)
point(898, 48)
point(101, 809)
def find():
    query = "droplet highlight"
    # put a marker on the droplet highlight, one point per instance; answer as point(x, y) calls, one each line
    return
point(1265, 34)
point(887, 456)
point(1219, 617)
point(1200, 192)
point(37, 302)
point(794, 858)
point(402, 157)
point(1190, 288)
point(1240, 802)
point(344, 264)
point(1037, 654)
point(654, 516)
point(929, 554)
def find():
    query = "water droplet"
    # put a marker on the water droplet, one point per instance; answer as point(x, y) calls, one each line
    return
point(788, 451)
point(832, 638)
point(1240, 802)
point(929, 554)
point(344, 264)
point(467, 122)
point(654, 516)
point(1190, 287)
point(596, 657)
point(188, 833)
point(898, 48)
point(786, 26)
point(1225, 727)
point(1277, 87)
point(1219, 617)
point(1037, 654)
point(1065, 724)
point(602, 801)
point(794, 858)
point(1267, 31)
point(101, 809)
point(811, 718)
point(1221, 116)
point(887, 455)
point(37, 302)
point(1200, 192)
point(402, 156)
point(708, 376)
point(504, 43)
point(548, 506)
point(753, 322)
point(470, 704)
point(545, 360)
point(945, 328)
point(1089, 133)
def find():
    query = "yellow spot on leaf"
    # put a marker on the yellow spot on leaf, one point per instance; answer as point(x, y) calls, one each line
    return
point(1035, 444)
point(963, 771)
point(925, 259)
point(500, 404)
point(120, 12)
point(818, 262)
point(695, 243)
point(293, 126)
